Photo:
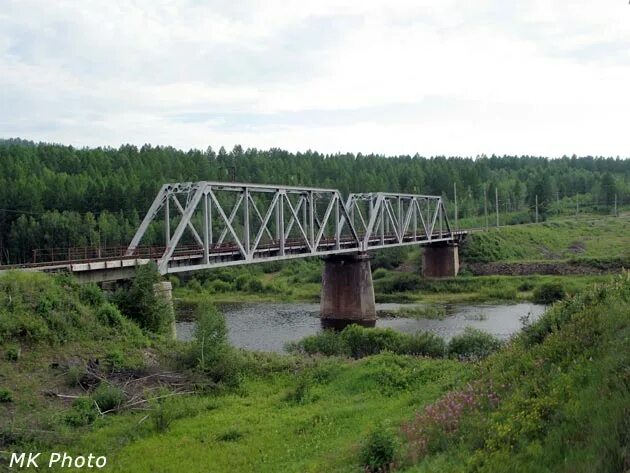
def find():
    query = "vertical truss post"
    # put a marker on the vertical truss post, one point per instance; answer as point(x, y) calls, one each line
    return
point(414, 216)
point(311, 228)
point(440, 211)
point(400, 222)
point(246, 222)
point(206, 233)
point(337, 223)
point(280, 220)
point(167, 220)
point(381, 209)
point(210, 237)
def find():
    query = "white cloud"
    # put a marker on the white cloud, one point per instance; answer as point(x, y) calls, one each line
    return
point(449, 77)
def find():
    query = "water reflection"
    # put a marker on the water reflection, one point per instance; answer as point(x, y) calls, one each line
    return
point(269, 326)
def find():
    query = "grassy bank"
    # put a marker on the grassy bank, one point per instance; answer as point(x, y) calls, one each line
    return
point(562, 239)
point(560, 398)
point(555, 398)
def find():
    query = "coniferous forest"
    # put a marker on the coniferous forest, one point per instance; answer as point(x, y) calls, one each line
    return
point(59, 196)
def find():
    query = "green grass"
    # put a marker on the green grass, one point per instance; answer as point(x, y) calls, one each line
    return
point(604, 237)
point(265, 428)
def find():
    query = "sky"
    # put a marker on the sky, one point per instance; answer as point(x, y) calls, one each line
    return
point(447, 77)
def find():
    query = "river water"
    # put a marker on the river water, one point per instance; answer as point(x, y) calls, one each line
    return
point(268, 327)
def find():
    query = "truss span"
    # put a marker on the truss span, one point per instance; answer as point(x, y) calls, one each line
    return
point(214, 224)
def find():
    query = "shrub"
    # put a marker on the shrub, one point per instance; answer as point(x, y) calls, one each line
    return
point(109, 314)
point(194, 285)
point(473, 344)
point(91, 294)
point(83, 412)
point(115, 359)
point(211, 350)
point(108, 397)
point(526, 286)
point(241, 282)
point(424, 344)
point(12, 353)
point(140, 303)
point(357, 341)
point(378, 451)
point(217, 286)
point(549, 293)
point(327, 343)
point(5, 395)
point(74, 375)
point(166, 409)
point(255, 285)
point(363, 341)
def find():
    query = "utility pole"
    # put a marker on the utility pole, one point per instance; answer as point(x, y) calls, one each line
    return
point(496, 203)
point(536, 208)
point(455, 198)
point(616, 205)
point(485, 204)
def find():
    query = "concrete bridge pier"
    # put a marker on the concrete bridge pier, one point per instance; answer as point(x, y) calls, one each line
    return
point(347, 291)
point(440, 260)
point(164, 291)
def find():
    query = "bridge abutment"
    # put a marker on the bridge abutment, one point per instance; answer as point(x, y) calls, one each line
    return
point(347, 291)
point(440, 260)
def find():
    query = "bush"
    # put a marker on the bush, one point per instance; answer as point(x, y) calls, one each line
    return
point(378, 451)
point(357, 341)
point(424, 344)
point(74, 376)
point(194, 285)
point(109, 314)
point(12, 353)
point(379, 273)
point(327, 343)
point(91, 294)
point(217, 286)
point(526, 286)
point(549, 293)
point(83, 412)
point(255, 285)
point(115, 359)
point(211, 350)
point(5, 395)
point(108, 397)
point(473, 344)
point(140, 303)
point(241, 282)
point(166, 409)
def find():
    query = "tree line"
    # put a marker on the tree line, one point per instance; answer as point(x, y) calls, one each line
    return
point(53, 195)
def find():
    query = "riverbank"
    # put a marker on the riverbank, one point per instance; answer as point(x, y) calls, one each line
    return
point(535, 404)
point(402, 287)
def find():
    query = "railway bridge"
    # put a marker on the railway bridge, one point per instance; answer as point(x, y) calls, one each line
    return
point(206, 225)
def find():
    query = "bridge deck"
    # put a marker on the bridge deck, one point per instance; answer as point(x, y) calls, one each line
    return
point(187, 258)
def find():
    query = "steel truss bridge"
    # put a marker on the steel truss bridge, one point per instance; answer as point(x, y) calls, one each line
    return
point(215, 224)
point(206, 225)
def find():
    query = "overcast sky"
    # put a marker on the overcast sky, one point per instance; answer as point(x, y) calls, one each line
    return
point(544, 77)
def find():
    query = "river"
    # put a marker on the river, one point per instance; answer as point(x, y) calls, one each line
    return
point(266, 326)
